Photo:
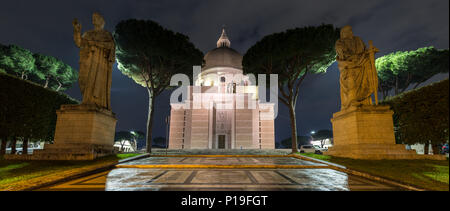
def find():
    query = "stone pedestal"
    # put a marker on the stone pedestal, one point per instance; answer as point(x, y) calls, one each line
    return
point(367, 132)
point(83, 132)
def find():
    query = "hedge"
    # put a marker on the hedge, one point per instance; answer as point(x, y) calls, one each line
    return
point(421, 115)
point(27, 109)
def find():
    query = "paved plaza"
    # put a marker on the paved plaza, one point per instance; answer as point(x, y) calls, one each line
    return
point(215, 174)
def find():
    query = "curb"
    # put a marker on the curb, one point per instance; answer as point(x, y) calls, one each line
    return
point(318, 161)
point(360, 174)
point(134, 158)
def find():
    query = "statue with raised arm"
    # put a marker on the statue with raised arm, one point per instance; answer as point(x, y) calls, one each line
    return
point(358, 76)
point(97, 55)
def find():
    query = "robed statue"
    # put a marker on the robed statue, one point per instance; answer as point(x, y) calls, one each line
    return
point(97, 55)
point(358, 76)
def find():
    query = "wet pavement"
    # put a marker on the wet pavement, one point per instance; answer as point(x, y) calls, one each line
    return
point(309, 176)
point(237, 180)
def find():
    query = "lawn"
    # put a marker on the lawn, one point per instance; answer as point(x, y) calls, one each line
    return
point(127, 155)
point(18, 175)
point(427, 174)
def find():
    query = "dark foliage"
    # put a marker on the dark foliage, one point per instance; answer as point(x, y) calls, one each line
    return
point(292, 55)
point(421, 115)
point(151, 55)
point(302, 140)
point(27, 109)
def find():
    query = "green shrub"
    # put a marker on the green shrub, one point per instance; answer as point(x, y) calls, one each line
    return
point(27, 109)
point(421, 115)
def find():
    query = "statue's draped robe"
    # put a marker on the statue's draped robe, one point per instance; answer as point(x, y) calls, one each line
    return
point(355, 66)
point(97, 55)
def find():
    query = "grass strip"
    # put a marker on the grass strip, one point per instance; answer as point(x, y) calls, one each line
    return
point(20, 175)
point(424, 173)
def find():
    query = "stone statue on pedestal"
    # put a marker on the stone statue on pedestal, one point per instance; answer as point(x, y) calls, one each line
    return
point(356, 63)
point(362, 130)
point(97, 55)
point(86, 131)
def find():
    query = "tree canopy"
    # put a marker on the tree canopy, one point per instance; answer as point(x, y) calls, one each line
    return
point(122, 136)
point(17, 61)
point(398, 70)
point(47, 71)
point(150, 54)
point(159, 141)
point(322, 134)
point(55, 73)
point(293, 54)
point(302, 140)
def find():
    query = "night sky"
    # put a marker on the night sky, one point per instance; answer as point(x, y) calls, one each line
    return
point(46, 27)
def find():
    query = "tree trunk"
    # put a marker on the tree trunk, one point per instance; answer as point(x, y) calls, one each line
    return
point(59, 86)
point(25, 146)
point(385, 93)
point(3, 145)
point(13, 145)
point(435, 148)
point(150, 121)
point(396, 85)
point(426, 148)
point(46, 82)
point(293, 129)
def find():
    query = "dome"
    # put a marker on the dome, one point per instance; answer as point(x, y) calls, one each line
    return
point(223, 55)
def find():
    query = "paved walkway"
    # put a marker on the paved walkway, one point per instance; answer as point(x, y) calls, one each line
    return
point(247, 173)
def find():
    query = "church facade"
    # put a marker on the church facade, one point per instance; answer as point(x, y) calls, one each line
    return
point(222, 110)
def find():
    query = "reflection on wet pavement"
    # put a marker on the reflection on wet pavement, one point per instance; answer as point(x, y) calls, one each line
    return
point(232, 179)
point(124, 179)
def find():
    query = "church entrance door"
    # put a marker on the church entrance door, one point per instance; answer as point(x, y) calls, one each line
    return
point(221, 144)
